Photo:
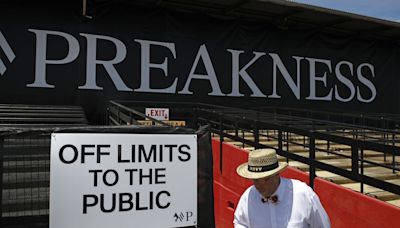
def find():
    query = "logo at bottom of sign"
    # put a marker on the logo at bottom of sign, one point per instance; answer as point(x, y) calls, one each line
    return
point(183, 216)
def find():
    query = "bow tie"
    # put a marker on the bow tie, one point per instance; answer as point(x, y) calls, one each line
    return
point(272, 199)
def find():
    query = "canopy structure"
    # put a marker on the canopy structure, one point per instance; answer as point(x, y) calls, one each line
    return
point(284, 14)
point(252, 53)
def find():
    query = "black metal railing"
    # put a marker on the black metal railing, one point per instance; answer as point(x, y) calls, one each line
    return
point(25, 174)
point(377, 120)
point(235, 124)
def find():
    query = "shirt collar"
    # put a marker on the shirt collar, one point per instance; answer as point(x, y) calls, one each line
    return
point(280, 191)
point(282, 188)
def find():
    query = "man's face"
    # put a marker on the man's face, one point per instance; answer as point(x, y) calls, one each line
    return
point(266, 186)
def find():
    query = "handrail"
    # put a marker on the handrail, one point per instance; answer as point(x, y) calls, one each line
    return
point(283, 120)
point(257, 111)
point(381, 117)
point(355, 145)
point(221, 118)
point(123, 107)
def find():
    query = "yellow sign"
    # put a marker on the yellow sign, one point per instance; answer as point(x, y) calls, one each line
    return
point(174, 123)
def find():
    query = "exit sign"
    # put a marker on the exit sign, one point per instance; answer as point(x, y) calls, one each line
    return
point(158, 113)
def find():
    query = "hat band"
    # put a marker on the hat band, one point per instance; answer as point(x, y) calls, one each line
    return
point(265, 168)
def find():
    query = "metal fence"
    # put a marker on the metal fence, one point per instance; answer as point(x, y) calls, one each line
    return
point(289, 133)
point(24, 174)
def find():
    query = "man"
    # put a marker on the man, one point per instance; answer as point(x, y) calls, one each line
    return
point(273, 201)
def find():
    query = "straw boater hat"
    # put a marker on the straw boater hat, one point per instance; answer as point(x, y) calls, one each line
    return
point(261, 163)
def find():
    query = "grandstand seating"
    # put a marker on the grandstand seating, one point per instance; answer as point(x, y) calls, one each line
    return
point(297, 146)
point(25, 155)
point(364, 151)
point(18, 115)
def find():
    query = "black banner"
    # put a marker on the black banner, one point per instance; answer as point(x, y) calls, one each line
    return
point(50, 54)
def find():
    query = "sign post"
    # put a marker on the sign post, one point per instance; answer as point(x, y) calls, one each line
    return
point(123, 180)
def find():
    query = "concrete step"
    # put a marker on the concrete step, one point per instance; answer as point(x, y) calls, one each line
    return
point(343, 180)
point(368, 189)
point(385, 196)
point(341, 163)
point(394, 202)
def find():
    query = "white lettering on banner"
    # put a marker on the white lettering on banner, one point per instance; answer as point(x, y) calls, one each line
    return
point(245, 76)
point(147, 65)
point(210, 76)
point(278, 64)
point(366, 82)
point(345, 81)
point(124, 179)
point(41, 58)
point(92, 62)
point(7, 51)
point(342, 87)
point(313, 78)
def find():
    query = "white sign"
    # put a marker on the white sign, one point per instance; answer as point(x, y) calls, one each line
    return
point(123, 180)
point(158, 113)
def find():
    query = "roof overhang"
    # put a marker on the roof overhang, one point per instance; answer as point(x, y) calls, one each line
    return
point(285, 15)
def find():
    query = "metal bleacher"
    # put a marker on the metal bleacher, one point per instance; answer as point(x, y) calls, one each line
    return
point(19, 115)
point(25, 159)
point(359, 152)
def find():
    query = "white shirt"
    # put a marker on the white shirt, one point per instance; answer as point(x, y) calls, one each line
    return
point(298, 206)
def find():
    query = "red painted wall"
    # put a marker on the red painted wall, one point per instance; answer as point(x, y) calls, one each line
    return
point(345, 208)
point(348, 208)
